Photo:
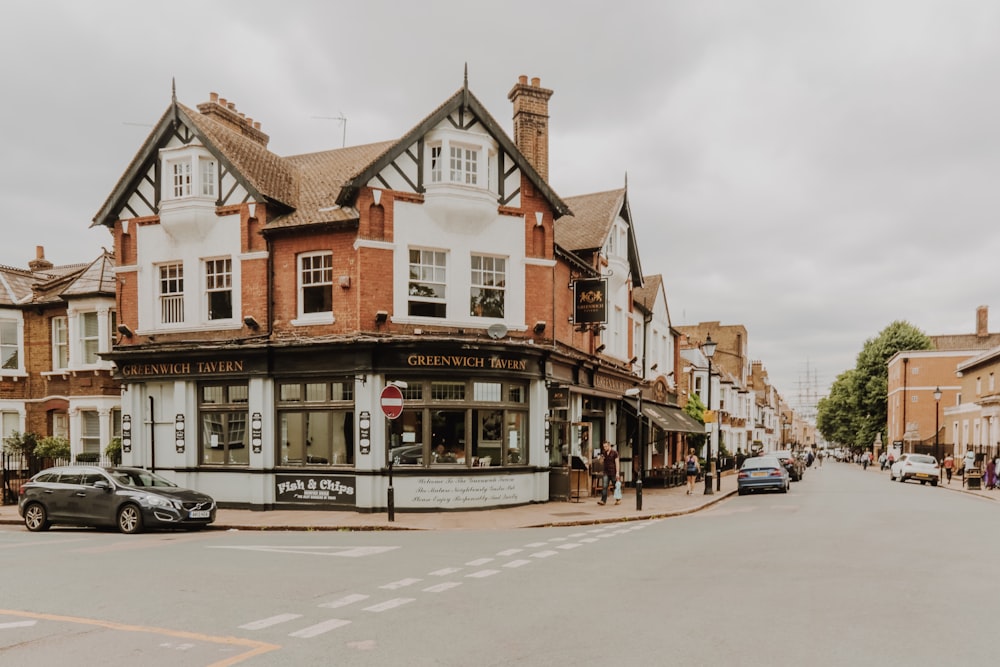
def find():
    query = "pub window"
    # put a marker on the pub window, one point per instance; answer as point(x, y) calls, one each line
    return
point(475, 424)
point(316, 423)
point(222, 413)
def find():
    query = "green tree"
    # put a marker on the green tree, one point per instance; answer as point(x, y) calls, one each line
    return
point(696, 409)
point(857, 408)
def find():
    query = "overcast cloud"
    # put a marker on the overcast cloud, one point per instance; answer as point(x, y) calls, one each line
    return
point(811, 170)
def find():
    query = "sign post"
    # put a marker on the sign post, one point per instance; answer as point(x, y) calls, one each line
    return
point(391, 401)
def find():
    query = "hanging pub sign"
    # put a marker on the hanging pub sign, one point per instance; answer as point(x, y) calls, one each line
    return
point(590, 303)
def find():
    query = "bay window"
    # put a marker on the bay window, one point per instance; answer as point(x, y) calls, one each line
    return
point(9, 346)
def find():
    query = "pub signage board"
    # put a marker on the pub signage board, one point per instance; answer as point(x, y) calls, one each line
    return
point(590, 301)
point(305, 488)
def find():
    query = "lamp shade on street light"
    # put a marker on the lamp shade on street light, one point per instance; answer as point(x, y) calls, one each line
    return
point(708, 349)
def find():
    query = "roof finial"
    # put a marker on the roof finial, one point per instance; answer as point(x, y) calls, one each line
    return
point(173, 89)
point(465, 87)
point(626, 179)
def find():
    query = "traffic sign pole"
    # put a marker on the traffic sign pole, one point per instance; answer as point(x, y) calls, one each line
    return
point(391, 402)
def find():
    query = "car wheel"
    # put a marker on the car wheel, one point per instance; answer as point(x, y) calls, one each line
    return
point(36, 518)
point(901, 478)
point(130, 519)
point(741, 492)
point(784, 489)
point(933, 482)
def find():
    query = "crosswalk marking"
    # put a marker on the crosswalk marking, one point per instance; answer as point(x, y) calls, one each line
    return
point(589, 540)
point(569, 545)
point(440, 588)
point(517, 563)
point(478, 562)
point(389, 604)
point(509, 552)
point(544, 554)
point(402, 583)
point(319, 628)
point(268, 622)
point(344, 601)
point(483, 573)
point(444, 572)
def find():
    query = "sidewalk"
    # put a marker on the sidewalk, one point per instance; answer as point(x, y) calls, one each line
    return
point(656, 503)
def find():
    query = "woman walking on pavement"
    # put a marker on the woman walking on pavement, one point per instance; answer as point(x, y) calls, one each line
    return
point(610, 459)
point(692, 471)
point(949, 466)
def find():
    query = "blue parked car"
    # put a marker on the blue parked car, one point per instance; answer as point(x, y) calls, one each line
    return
point(762, 472)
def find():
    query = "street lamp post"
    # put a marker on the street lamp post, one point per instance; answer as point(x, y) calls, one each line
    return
point(708, 348)
point(937, 410)
point(640, 446)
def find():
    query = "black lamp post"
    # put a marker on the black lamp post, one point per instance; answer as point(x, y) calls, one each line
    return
point(708, 348)
point(640, 446)
point(937, 410)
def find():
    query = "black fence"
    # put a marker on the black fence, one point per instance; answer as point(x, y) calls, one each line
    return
point(17, 468)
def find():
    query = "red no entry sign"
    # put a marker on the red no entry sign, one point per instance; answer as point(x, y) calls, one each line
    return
point(391, 401)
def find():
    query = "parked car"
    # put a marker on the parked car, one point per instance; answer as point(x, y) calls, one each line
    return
point(762, 472)
point(130, 499)
point(795, 465)
point(921, 467)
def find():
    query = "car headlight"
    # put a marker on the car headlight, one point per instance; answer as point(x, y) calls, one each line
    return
point(157, 501)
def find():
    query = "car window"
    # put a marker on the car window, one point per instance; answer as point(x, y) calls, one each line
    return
point(70, 478)
point(89, 478)
point(923, 459)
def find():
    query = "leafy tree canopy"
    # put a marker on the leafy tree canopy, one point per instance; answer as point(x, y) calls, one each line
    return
point(857, 408)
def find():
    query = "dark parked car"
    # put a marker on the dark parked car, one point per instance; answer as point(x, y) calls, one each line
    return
point(795, 465)
point(128, 498)
point(762, 472)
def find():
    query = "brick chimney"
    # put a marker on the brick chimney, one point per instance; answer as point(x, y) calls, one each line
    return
point(39, 263)
point(982, 322)
point(531, 122)
point(224, 111)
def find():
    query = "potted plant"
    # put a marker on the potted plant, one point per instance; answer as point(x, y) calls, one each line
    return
point(114, 451)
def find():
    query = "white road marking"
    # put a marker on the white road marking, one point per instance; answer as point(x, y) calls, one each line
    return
point(17, 624)
point(574, 535)
point(535, 545)
point(440, 588)
point(509, 552)
point(344, 601)
point(589, 540)
point(268, 622)
point(478, 562)
point(569, 545)
point(444, 572)
point(517, 563)
point(483, 573)
point(558, 539)
point(389, 604)
point(319, 628)
point(345, 552)
point(402, 583)
point(544, 554)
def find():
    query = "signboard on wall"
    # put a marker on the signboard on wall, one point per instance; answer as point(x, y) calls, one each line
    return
point(312, 489)
point(590, 301)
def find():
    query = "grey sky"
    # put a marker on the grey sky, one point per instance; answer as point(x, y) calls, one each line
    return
point(812, 170)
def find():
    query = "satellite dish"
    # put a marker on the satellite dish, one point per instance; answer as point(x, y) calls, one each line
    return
point(497, 331)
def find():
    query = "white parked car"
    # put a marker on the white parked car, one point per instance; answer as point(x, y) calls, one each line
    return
point(921, 467)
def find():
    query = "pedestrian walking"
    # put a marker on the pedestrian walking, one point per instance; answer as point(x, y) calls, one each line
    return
point(991, 474)
point(949, 466)
point(865, 458)
point(882, 459)
point(692, 471)
point(609, 457)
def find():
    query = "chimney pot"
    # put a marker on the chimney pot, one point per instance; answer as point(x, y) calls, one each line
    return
point(213, 97)
point(231, 106)
point(39, 252)
point(536, 82)
point(522, 79)
point(982, 322)
point(222, 101)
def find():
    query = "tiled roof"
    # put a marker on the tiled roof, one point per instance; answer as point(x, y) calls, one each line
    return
point(590, 223)
point(97, 279)
point(266, 172)
point(320, 178)
point(20, 287)
point(645, 296)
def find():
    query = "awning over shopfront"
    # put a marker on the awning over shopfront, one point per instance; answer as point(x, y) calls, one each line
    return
point(672, 419)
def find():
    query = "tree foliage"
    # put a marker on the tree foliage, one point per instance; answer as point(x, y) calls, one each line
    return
point(857, 408)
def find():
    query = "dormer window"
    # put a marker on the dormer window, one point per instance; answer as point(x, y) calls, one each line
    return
point(464, 165)
point(190, 174)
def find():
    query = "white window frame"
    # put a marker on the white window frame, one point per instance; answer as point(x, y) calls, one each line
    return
point(16, 325)
point(90, 342)
point(217, 282)
point(463, 164)
point(90, 431)
point(492, 277)
point(428, 271)
point(170, 302)
point(60, 343)
point(189, 173)
point(207, 177)
point(312, 275)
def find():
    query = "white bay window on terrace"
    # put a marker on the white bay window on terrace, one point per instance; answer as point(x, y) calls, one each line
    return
point(191, 175)
point(10, 345)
